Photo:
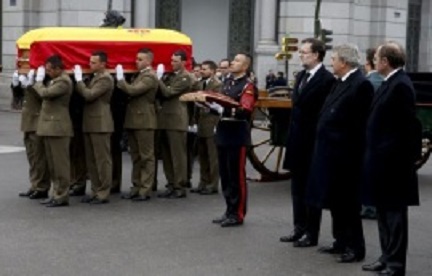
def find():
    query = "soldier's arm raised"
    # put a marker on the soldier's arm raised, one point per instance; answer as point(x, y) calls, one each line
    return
point(176, 89)
point(100, 87)
point(58, 88)
point(144, 85)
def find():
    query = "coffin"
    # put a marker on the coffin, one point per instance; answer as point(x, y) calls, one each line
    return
point(75, 46)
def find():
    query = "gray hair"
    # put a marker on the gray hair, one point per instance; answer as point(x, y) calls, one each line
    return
point(348, 53)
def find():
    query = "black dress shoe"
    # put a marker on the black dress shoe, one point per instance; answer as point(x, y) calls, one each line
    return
point(350, 257)
point(375, 266)
point(177, 194)
point(208, 192)
point(166, 194)
point(231, 222)
point(140, 198)
point(331, 249)
point(196, 190)
point(390, 272)
point(220, 219)
point(76, 192)
point(128, 196)
point(305, 241)
point(55, 203)
point(97, 201)
point(39, 195)
point(26, 194)
point(87, 199)
point(294, 236)
point(46, 201)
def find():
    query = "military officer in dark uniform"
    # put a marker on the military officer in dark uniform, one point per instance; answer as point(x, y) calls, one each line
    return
point(206, 124)
point(140, 123)
point(233, 135)
point(55, 127)
point(97, 127)
point(39, 173)
point(173, 125)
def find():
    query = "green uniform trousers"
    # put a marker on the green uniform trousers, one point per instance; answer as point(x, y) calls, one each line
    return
point(174, 160)
point(141, 143)
point(209, 167)
point(99, 164)
point(58, 157)
point(38, 165)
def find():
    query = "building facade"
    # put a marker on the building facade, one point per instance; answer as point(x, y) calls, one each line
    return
point(221, 28)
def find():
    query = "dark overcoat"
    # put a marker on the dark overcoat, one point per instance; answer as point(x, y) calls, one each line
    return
point(337, 160)
point(393, 142)
point(307, 103)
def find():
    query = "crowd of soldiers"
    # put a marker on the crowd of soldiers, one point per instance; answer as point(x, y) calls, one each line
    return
point(73, 127)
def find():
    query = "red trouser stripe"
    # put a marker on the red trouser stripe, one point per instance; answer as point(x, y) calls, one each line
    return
point(242, 184)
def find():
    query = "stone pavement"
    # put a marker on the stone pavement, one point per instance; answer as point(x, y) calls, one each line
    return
point(172, 237)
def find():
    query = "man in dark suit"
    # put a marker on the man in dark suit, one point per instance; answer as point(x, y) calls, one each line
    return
point(313, 84)
point(393, 144)
point(337, 160)
point(97, 127)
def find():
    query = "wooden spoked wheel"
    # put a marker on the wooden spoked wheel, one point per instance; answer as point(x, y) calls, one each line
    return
point(265, 156)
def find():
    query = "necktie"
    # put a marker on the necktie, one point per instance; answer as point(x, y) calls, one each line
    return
point(204, 84)
point(304, 80)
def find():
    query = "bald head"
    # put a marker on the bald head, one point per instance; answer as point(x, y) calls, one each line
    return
point(393, 53)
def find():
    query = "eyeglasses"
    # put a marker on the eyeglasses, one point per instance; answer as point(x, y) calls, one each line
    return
point(223, 67)
point(304, 53)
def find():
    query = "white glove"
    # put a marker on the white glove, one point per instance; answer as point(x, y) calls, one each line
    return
point(30, 77)
point(15, 79)
point(119, 72)
point(77, 73)
point(200, 105)
point(40, 74)
point(216, 107)
point(193, 129)
point(160, 70)
point(23, 80)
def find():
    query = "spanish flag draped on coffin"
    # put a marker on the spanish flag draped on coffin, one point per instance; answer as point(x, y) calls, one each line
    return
point(75, 46)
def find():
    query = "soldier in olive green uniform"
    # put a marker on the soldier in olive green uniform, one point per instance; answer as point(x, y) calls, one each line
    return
point(55, 127)
point(140, 123)
point(39, 173)
point(173, 124)
point(207, 121)
point(97, 127)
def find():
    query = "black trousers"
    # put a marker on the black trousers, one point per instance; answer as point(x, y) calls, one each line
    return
point(307, 219)
point(232, 162)
point(393, 235)
point(347, 227)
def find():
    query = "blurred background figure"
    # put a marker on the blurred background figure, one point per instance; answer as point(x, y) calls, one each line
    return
point(270, 79)
point(280, 80)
